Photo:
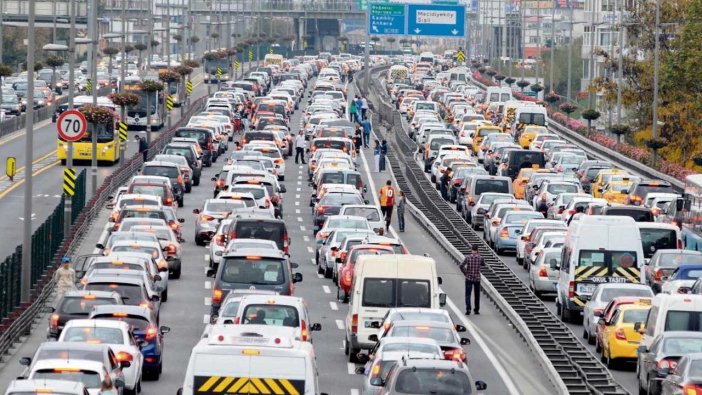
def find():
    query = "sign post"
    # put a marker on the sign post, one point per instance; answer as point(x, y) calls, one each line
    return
point(71, 126)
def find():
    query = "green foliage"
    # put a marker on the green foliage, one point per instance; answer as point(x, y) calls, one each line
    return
point(214, 35)
point(491, 72)
point(128, 48)
point(168, 76)
point(183, 70)
point(536, 88)
point(140, 47)
point(568, 108)
point(151, 86)
point(194, 39)
point(54, 61)
point(37, 66)
point(97, 114)
point(551, 98)
point(155, 43)
point(178, 37)
point(590, 114)
point(192, 63)
point(500, 77)
point(110, 51)
point(521, 83)
point(657, 143)
point(620, 130)
point(124, 99)
point(5, 71)
point(560, 66)
point(510, 80)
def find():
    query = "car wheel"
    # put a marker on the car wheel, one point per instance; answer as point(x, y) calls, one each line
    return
point(327, 272)
point(188, 188)
point(199, 241)
point(164, 296)
point(525, 264)
point(585, 334)
point(128, 391)
point(520, 261)
point(499, 250)
point(320, 270)
point(196, 181)
point(180, 202)
point(459, 208)
point(176, 273)
point(346, 347)
point(642, 390)
point(598, 346)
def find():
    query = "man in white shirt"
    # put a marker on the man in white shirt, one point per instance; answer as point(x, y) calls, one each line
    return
point(300, 145)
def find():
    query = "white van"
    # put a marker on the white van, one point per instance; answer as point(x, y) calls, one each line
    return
point(597, 249)
point(251, 359)
point(498, 94)
point(671, 313)
point(529, 115)
point(384, 282)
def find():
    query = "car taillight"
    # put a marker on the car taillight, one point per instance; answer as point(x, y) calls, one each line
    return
point(151, 333)
point(219, 240)
point(206, 218)
point(179, 180)
point(560, 211)
point(454, 354)
point(571, 289)
point(171, 249)
point(322, 235)
point(619, 334)
point(504, 232)
point(658, 273)
point(216, 296)
point(303, 330)
point(173, 225)
point(53, 322)
point(636, 200)
point(571, 212)
point(543, 272)
point(169, 201)
point(354, 323)
point(185, 169)
point(124, 356)
point(321, 209)
point(286, 242)
point(210, 146)
point(667, 364)
point(692, 389)
point(219, 184)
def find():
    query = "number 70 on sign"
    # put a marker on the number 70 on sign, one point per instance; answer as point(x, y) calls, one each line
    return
point(71, 125)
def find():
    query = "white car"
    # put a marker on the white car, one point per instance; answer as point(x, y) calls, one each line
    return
point(218, 243)
point(118, 336)
point(259, 192)
point(370, 212)
point(524, 235)
point(277, 310)
point(19, 387)
point(88, 372)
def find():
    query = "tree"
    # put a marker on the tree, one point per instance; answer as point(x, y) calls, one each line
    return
point(5, 71)
point(391, 41)
point(194, 39)
point(110, 52)
point(177, 37)
point(128, 48)
point(620, 131)
point(37, 66)
point(510, 80)
point(522, 84)
point(590, 115)
point(375, 40)
point(124, 100)
point(54, 62)
point(155, 43)
point(656, 144)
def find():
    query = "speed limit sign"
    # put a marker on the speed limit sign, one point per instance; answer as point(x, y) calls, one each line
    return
point(71, 125)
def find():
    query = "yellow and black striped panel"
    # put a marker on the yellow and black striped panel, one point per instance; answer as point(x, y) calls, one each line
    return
point(583, 272)
point(69, 182)
point(247, 385)
point(577, 301)
point(632, 274)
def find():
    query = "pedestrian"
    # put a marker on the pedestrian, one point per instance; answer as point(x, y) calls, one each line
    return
point(579, 211)
point(543, 206)
point(364, 108)
point(358, 139)
point(387, 201)
point(65, 277)
point(471, 271)
point(367, 128)
point(143, 146)
point(237, 146)
point(383, 154)
point(352, 111)
point(444, 182)
point(300, 145)
point(376, 156)
point(401, 202)
point(359, 108)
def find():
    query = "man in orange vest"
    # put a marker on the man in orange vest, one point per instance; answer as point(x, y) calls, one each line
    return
point(387, 202)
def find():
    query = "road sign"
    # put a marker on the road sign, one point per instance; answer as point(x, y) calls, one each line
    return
point(188, 87)
point(69, 182)
point(122, 127)
point(169, 102)
point(436, 20)
point(250, 55)
point(88, 86)
point(71, 125)
point(219, 72)
point(460, 56)
point(236, 65)
point(11, 167)
point(387, 19)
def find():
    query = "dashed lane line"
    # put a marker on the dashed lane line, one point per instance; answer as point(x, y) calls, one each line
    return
point(326, 289)
point(333, 305)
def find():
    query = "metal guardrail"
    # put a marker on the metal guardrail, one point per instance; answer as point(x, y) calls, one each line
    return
point(604, 153)
point(579, 371)
point(20, 319)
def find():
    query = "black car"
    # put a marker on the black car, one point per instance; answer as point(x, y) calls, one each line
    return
point(188, 151)
point(639, 214)
point(77, 305)
point(206, 140)
point(519, 159)
point(656, 362)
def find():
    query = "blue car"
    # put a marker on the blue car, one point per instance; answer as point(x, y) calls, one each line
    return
point(146, 332)
point(511, 227)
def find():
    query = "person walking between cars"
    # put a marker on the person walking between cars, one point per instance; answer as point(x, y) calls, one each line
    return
point(364, 108)
point(352, 111)
point(387, 201)
point(300, 145)
point(65, 277)
point(367, 127)
point(471, 271)
point(376, 156)
point(358, 139)
point(543, 206)
point(143, 147)
point(383, 154)
point(401, 202)
point(444, 183)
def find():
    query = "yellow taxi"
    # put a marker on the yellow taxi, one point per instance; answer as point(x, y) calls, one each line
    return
point(617, 191)
point(530, 131)
point(480, 134)
point(520, 182)
point(619, 339)
point(603, 178)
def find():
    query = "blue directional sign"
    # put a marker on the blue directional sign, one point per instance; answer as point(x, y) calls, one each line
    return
point(436, 20)
point(387, 19)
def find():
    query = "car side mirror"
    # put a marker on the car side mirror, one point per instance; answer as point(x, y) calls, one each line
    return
point(373, 338)
point(157, 278)
point(366, 201)
point(155, 298)
point(642, 349)
point(196, 211)
point(100, 246)
point(125, 364)
point(599, 314)
point(25, 361)
point(294, 265)
point(181, 220)
point(601, 321)
point(600, 190)
point(316, 327)
point(180, 391)
point(362, 358)
point(143, 344)
point(297, 278)
point(360, 370)
point(638, 326)
point(465, 341)
point(480, 385)
point(214, 179)
point(460, 328)
point(211, 272)
point(662, 372)
point(164, 329)
point(442, 299)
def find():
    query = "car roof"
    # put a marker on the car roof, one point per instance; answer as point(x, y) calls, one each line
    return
point(77, 293)
point(123, 308)
point(261, 252)
point(75, 363)
point(97, 323)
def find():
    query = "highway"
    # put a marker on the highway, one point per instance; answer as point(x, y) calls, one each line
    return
point(48, 173)
point(497, 354)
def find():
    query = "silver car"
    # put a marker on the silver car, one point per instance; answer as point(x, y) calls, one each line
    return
point(213, 211)
point(604, 293)
point(543, 274)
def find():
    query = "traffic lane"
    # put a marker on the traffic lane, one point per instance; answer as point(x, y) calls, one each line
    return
point(624, 375)
point(497, 355)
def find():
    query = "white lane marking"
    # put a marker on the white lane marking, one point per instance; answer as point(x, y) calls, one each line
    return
point(302, 228)
point(340, 324)
point(319, 275)
point(297, 196)
point(475, 336)
point(326, 289)
point(354, 391)
point(299, 219)
point(299, 183)
point(298, 189)
point(333, 306)
point(208, 284)
point(208, 301)
point(309, 249)
point(313, 261)
point(206, 319)
point(374, 191)
point(297, 211)
point(306, 238)
point(297, 203)
point(207, 257)
point(351, 368)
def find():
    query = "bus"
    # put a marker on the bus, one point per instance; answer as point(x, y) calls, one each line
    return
point(211, 66)
point(136, 115)
point(686, 213)
point(108, 144)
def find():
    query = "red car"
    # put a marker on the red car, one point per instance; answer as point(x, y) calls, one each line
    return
point(349, 262)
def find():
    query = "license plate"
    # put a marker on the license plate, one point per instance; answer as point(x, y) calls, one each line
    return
point(586, 288)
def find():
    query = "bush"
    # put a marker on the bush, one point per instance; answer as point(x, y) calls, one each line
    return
point(140, 47)
point(499, 77)
point(110, 51)
point(481, 69)
point(192, 63)
point(97, 114)
point(177, 37)
point(591, 114)
point(551, 98)
point(536, 87)
point(620, 130)
point(5, 71)
point(124, 99)
point(194, 39)
point(568, 108)
point(657, 143)
point(510, 80)
point(54, 61)
point(522, 84)
point(168, 76)
point(183, 70)
point(151, 86)
point(491, 72)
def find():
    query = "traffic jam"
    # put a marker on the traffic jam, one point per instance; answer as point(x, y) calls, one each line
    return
point(106, 334)
point(603, 246)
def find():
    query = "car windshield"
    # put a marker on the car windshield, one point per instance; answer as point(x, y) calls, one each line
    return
point(676, 259)
point(339, 199)
point(131, 294)
point(258, 193)
point(386, 292)
point(346, 223)
point(156, 190)
point(433, 381)
point(271, 314)
point(658, 239)
point(611, 293)
point(135, 322)
point(521, 217)
point(441, 335)
point(143, 214)
point(436, 143)
point(163, 171)
point(65, 352)
point(688, 274)
point(557, 189)
point(94, 334)
point(88, 378)
point(499, 186)
point(224, 205)
point(369, 213)
point(81, 305)
point(681, 345)
point(253, 270)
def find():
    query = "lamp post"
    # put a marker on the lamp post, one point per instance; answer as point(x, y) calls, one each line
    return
point(654, 127)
